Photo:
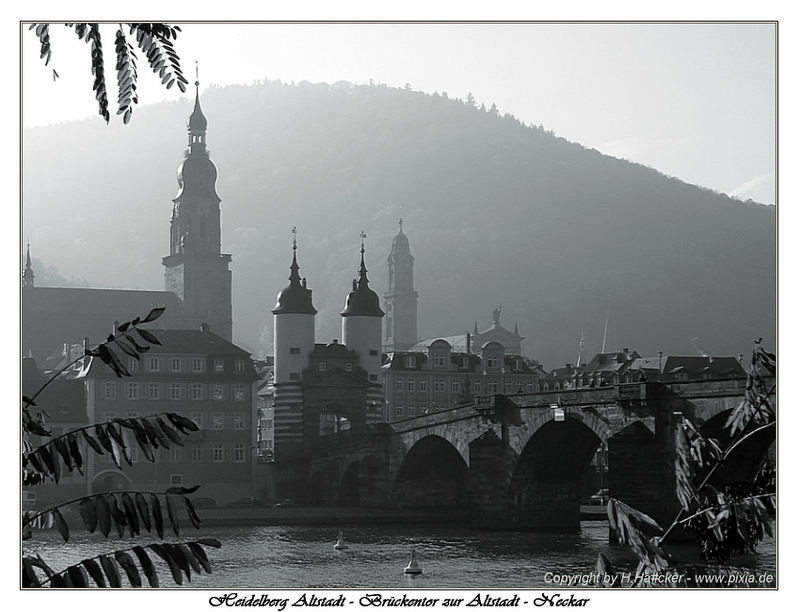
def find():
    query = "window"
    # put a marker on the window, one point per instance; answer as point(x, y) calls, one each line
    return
point(240, 392)
point(518, 364)
point(465, 362)
point(423, 384)
point(133, 364)
point(491, 362)
point(197, 364)
point(238, 366)
point(153, 391)
point(411, 361)
point(197, 417)
point(175, 454)
point(219, 365)
point(197, 454)
point(218, 453)
point(373, 352)
point(412, 384)
point(348, 366)
point(477, 387)
point(268, 424)
point(398, 411)
point(196, 391)
point(175, 364)
point(398, 384)
point(175, 391)
point(492, 387)
point(132, 391)
point(238, 453)
point(153, 364)
point(108, 416)
point(294, 350)
point(411, 411)
point(132, 414)
point(455, 386)
point(373, 377)
point(176, 480)
point(238, 420)
point(294, 376)
point(323, 366)
point(531, 388)
point(438, 385)
point(219, 420)
point(508, 387)
point(438, 360)
point(110, 390)
point(218, 392)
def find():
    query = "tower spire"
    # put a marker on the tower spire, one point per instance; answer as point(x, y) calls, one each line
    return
point(294, 276)
point(27, 274)
point(363, 281)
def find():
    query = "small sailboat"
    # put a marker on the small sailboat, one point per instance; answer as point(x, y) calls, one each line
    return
point(413, 567)
point(340, 545)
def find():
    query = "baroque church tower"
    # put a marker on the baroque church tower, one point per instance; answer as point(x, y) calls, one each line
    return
point(400, 301)
point(195, 268)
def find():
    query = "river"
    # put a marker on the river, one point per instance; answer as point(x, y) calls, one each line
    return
point(450, 557)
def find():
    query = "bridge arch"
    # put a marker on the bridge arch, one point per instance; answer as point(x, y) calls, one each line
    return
point(745, 461)
point(433, 474)
point(545, 487)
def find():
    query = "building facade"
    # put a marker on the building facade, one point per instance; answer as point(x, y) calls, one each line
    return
point(197, 374)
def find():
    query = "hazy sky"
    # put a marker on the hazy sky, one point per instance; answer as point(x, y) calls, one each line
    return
point(695, 101)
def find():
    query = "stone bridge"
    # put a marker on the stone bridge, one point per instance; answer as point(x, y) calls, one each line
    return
point(518, 462)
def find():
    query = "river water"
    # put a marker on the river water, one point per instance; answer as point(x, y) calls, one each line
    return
point(450, 557)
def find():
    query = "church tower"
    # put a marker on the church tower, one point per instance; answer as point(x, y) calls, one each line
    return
point(195, 268)
point(27, 273)
point(400, 301)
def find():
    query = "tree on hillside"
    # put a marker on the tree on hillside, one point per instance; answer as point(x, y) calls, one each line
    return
point(154, 40)
point(136, 511)
point(726, 518)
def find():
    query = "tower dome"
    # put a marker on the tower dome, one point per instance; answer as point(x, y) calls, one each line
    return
point(296, 297)
point(362, 301)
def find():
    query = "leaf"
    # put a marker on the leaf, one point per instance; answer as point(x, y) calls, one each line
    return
point(102, 436)
point(172, 512)
point(144, 510)
point(112, 571)
point(147, 566)
point(125, 560)
point(111, 360)
point(78, 575)
point(159, 549)
point(61, 524)
point(182, 490)
point(213, 542)
point(182, 423)
point(92, 442)
point(126, 348)
point(131, 514)
point(170, 433)
point(61, 446)
point(95, 572)
point(46, 459)
point(115, 434)
point(117, 514)
point(88, 513)
point(200, 555)
point(154, 314)
point(174, 552)
point(75, 451)
point(136, 345)
point(189, 556)
point(103, 515)
point(191, 512)
point(148, 336)
point(151, 433)
point(158, 519)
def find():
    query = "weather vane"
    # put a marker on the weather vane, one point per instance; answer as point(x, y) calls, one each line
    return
point(400, 222)
point(294, 237)
point(196, 74)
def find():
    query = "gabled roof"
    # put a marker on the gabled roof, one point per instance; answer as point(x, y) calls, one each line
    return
point(697, 366)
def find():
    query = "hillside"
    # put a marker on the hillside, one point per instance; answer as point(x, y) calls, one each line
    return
point(496, 212)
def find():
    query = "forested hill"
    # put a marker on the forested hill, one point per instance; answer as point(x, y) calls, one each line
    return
point(496, 212)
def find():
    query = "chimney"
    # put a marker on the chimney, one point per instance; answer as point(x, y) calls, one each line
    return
point(114, 329)
point(204, 328)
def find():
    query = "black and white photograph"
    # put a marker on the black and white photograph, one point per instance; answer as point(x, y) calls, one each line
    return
point(359, 313)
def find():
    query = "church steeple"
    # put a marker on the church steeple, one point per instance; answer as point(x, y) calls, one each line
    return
point(400, 301)
point(27, 274)
point(196, 269)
